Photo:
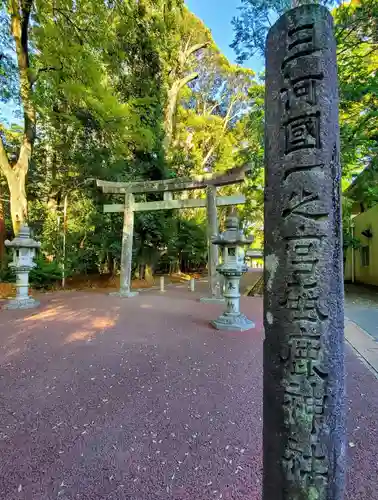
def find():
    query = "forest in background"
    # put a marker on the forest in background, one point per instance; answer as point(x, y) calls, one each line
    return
point(123, 90)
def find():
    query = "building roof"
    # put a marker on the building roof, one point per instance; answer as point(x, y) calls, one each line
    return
point(254, 253)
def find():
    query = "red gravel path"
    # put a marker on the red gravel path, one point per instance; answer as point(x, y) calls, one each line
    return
point(139, 399)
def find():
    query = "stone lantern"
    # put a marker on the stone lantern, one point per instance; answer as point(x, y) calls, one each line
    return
point(24, 249)
point(232, 268)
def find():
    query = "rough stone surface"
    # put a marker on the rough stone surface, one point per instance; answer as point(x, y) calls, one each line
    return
point(125, 294)
point(222, 201)
point(28, 303)
point(232, 176)
point(213, 300)
point(142, 400)
point(304, 445)
point(213, 251)
point(233, 323)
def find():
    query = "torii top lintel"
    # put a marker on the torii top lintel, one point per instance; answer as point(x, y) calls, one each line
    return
point(233, 176)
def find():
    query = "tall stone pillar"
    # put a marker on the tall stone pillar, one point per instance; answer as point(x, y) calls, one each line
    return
point(127, 248)
point(304, 427)
point(215, 292)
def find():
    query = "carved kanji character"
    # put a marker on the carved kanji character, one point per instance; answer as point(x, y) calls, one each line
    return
point(305, 203)
point(303, 302)
point(303, 254)
point(302, 132)
point(306, 348)
point(300, 43)
point(301, 89)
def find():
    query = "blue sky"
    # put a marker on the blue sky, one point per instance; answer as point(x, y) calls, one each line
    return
point(217, 15)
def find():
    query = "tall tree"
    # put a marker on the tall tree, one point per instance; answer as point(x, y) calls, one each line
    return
point(209, 114)
point(15, 169)
point(192, 37)
point(256, 17)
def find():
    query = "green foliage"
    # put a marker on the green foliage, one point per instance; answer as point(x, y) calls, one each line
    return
point(349, 240)
point(357, 39)
point(356, 31)
point(189, 242)
point(254, 21)
point(8, 68)
point(104, 73)
point(6, 273)
point(45, 275)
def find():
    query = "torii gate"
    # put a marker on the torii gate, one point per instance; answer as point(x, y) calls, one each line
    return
point(209, 182)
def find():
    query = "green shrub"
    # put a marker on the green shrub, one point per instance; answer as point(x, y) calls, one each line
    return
point(6, 273)
point(45, 275)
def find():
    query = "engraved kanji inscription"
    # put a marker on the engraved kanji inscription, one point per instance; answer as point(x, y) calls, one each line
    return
point(301, 89)
point(303, 291)
point(308, 464)
point(304, 409)
point(300, 43)
point(301, 348)
point(305, 203)
point(303, 255)
point(305, 394)
point(303, 234)
point(302, 132)
point(302, 300)
point(301, 168)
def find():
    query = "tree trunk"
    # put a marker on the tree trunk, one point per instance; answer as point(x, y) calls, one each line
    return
point(2, 233)
point(51, 167)
point(141, 271)
point(178, 83)
point(170, 111)
point(18, 203)
point(16, 174)
point(218, 139)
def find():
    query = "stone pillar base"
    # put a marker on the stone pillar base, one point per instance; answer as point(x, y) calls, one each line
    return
point(238, 323)
point(124, 294)
point(26, 303)
point(212, 300)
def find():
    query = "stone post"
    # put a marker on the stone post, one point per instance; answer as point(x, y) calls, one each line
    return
point(127, 248)
point(304, 426)
point(162, 288)
point(215, 294)
point(192, 284)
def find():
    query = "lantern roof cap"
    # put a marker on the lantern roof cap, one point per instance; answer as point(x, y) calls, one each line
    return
point(233, 235)
point(23, 239)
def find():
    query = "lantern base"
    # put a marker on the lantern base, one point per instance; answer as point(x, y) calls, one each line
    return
point(228, 322)
point(26, 303)
point(124, 294)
